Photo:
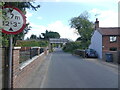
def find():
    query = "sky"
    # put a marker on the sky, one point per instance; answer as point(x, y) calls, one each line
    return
point(55, 15)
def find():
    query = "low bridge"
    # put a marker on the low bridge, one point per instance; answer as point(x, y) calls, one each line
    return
point(57, 42)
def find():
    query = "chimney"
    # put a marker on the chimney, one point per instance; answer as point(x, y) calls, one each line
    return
point(96, 24)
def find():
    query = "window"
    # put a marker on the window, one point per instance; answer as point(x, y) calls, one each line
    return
point(113, 49)
point(113, 38)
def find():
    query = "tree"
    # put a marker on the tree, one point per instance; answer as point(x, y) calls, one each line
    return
point(71, 46)
point(22, 6)
point(50, 34)
point(33, 37)
point(21, 35)
point(84, 28)
point(39, 37)
point(78, 39)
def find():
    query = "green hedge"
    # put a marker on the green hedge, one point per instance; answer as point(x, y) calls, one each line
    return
point(71, 46)
point(32, 43)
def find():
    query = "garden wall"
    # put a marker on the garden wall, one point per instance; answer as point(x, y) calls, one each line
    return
point(21, 72)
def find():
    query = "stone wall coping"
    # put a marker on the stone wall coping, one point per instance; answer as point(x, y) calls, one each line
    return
point(35, 47)
point(17, 48)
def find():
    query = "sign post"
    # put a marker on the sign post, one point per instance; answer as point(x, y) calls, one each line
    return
point(10, 63)
point(14, 23)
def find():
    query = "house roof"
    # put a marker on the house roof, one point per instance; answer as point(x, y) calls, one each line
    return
point(58, 40)
point(109, 31)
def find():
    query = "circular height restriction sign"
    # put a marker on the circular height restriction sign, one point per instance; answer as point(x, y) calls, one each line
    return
point(14, 21)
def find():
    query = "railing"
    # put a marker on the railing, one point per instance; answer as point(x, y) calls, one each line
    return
point(29, 53)
point(33, 52)
point(41, 50)
point(24, 55)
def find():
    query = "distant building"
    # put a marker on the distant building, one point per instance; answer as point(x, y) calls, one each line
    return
point(106, 40)
point(58, 40)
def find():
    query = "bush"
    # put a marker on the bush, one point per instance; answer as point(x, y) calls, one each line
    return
point(32, 43)
point(71, 46)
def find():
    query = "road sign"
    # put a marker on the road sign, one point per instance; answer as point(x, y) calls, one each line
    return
point(14, 21)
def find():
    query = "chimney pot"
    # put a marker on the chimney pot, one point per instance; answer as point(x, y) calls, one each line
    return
point(96, 24)
point(96, 19)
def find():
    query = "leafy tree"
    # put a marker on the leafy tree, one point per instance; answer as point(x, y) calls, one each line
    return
point(78, 39)
point(33, 36)
point(50, 34)
point(39, 37)
point(84, 28)
point(71, 46)
point(22, 5)
point(1, 4)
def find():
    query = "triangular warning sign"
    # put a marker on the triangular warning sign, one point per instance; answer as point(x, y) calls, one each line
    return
point(10, 29)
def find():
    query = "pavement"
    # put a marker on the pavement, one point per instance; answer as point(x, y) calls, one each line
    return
point(63, 70)
point(111, 65)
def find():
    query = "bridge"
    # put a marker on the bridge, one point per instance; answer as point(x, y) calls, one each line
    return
point(57, 42)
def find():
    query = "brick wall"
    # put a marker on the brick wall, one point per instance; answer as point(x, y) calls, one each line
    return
point(20, 76)
point(115, 56)
point(107, 44)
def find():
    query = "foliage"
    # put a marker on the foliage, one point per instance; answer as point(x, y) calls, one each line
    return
point(33, 36)
point(23, 5)
point(32, 43)
point(0, 39)
point(84, 28)
point(1, 4)
point(50, 34)
point(78, 39)
point(5, 39)
point(71, 46)
point(46, 36)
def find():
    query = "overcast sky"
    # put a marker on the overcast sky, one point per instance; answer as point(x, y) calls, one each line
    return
point(56, 15)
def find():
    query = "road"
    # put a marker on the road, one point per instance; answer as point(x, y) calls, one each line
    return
point(68, 71)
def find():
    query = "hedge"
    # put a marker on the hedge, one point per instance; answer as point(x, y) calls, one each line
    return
point(71, 46)
point(33, 43)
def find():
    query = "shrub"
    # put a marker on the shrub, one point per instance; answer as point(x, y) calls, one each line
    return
point(32, 43)
point(71, 46)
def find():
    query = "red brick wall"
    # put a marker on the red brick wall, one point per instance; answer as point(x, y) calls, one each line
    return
point(25, 48)
point(115, 56)
point(107, 45)
point(20, 75)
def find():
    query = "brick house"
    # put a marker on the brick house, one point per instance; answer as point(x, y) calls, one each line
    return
point(106, 40)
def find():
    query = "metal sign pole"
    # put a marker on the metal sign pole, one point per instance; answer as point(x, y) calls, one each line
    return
point(10, 62)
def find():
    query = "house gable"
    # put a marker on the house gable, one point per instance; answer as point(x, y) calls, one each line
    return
point(96, 43)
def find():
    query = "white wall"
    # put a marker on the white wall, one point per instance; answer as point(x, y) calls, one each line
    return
point(96, 43)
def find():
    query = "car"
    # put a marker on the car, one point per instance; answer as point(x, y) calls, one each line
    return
point(91, 53)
